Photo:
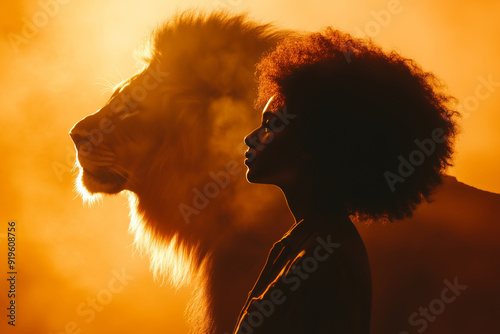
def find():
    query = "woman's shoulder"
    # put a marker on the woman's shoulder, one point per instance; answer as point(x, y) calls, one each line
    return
point(338, 234)
point(339, 252)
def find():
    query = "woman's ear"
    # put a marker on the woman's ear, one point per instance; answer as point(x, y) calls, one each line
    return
point(304, 149)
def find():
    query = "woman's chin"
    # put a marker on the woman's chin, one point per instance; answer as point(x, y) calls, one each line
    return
point(250, 177)
point(253, 177)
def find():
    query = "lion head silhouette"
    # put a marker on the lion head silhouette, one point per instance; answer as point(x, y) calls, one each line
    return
point(171, 137)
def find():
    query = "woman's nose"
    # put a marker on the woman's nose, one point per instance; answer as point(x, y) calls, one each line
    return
point(250, 139)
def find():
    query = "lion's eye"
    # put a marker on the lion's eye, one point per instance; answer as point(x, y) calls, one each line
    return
point(128, 114)
point(124, 110)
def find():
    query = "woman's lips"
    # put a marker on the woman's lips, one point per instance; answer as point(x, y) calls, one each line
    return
point(250, 157)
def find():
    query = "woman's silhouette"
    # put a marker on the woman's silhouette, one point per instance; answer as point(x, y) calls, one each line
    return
point(347, 130)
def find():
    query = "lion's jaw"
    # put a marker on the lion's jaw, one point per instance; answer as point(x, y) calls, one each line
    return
point(97, 173)
point(113, 150)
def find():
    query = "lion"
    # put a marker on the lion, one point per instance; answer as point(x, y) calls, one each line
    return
point(193, 213)
point(171, 138)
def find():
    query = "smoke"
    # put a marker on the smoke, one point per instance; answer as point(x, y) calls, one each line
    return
point(48, 75)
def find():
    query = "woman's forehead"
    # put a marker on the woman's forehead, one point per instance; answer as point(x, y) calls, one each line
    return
point(267, 105)
point(269, 110)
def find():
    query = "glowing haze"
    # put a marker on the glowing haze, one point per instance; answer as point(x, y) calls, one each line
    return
point(58, 57)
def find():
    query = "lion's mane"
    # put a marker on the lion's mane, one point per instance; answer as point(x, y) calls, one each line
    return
point(210, 61)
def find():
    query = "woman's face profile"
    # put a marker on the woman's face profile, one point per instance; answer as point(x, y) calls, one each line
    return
point(273, 155)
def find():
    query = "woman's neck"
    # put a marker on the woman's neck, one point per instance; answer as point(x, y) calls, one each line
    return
point(303, 203)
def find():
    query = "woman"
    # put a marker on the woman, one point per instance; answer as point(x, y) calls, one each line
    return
point(347, 130)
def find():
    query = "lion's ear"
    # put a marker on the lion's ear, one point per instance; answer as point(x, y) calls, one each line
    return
point(189, 104)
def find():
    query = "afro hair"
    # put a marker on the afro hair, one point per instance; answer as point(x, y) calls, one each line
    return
point(379, 129)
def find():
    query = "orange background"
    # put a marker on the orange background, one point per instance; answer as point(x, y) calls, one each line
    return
point(67, 252)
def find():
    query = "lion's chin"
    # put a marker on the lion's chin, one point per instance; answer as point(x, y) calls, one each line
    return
point(106, 183)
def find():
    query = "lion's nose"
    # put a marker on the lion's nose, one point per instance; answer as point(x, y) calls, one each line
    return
point(77, 134)
point(81, 131)
point(77, 138)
